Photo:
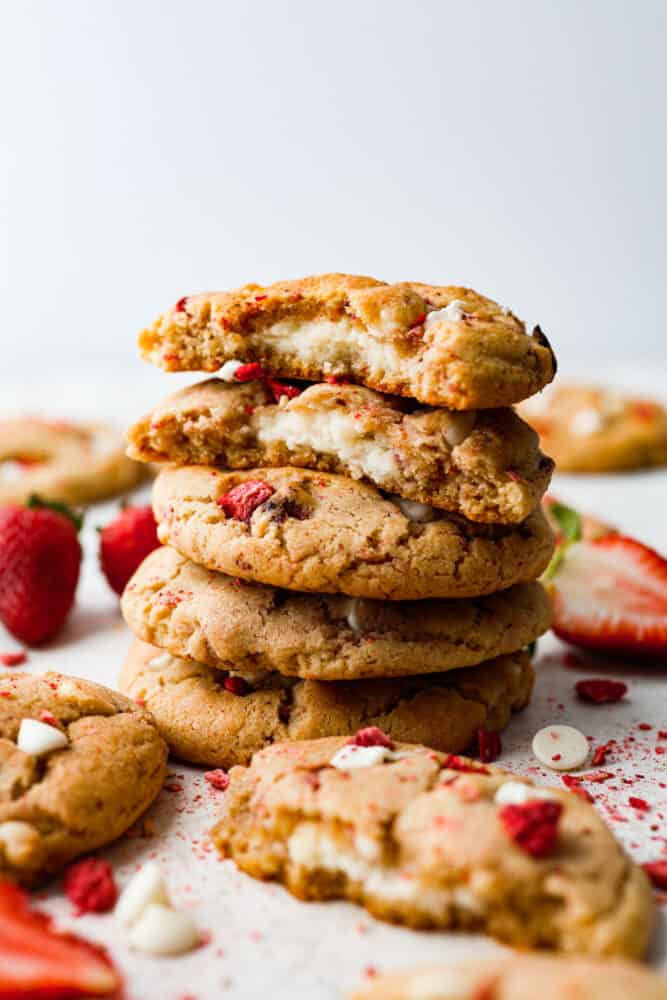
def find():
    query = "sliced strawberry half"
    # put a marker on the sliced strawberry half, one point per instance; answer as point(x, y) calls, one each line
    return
point(610, 594)
point(39, 963)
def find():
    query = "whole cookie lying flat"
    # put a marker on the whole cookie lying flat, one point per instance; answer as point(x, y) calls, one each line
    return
point(207, 723)
point(225, 623)
point(313, 531)
point(58, 805)
point(590, 429)
point(521, 977)
point(485, 465)
point(73, 463)
point(431, 840)
point(446, 346)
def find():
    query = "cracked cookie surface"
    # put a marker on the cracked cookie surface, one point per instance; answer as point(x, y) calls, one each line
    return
point(521, 977)
point(590, 429)
point(72, 463)
point(422, 840)
point(446, 346)
point(205, 723)
point(327, 534)
point(78, 798)
point(484, 465)
point(225, 623)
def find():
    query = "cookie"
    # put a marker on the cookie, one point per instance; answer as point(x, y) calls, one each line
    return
point(485, 465)
point(72, 463)
point(521, 977)
point(207, 723)
point(318, 532)
point(446, 346)
point(431, 840)
point(62, 804)
point(588, 429)
point(225, 623)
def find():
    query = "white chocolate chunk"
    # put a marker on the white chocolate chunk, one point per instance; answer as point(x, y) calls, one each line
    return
point(459, 426)
point(38, 738)
point(444, 984)
point(350, 757)
point(19, 841)
point(162, 931)
point(146, 887)
point(585, 422)
point(160, 662)
point(450, 314)
point(229, 370)
point(516, 793)
point(419, 513)
point(560, 748)
point(363, 615)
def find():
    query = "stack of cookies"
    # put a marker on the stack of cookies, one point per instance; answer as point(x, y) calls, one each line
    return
point(350, 512)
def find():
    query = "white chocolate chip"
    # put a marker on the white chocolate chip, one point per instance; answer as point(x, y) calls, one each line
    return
point(351, 756)
point(20, 842)
point(144, 888)
point(420, 513)
point(363, 615)
point(459, 426)
point(38, 738)
point(450, 314)
point(585, 422)
point(560, 748)
point(162, 931)
point(444, 984)
point(516, 793)
point(160, 662)
point(229, 370)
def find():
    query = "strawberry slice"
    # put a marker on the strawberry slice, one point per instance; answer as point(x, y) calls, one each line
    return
point(610, 594)
point(39, 963)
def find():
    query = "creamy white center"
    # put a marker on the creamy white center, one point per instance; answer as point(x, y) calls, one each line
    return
point(452, 313)
point(328, 344)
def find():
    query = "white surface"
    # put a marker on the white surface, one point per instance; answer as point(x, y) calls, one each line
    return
point(155, 149)
point(263, 942)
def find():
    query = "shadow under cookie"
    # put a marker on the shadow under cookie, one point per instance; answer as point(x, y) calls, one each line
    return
point(205, 723)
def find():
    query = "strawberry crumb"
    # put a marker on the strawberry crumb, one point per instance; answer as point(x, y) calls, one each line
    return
point(180, 305)
point(90, 886)
point(657, 872)
point(242, 500)
point(49, 718)
point(453, 762)
point(573, 784)
point(236, 685)
point(600, 754)
point(640, 804)
point(250, 372)
point(371, 736)
point(489, 746)
point(600, 691)
point(218, 779)
point(280, 389)
point(173, 786)
point(532, 826)
point(337, 380)
point(13, 659)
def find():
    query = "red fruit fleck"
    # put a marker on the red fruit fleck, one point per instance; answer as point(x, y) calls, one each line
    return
point(249, 409)
point(242, 500)
point(37, 962)
point(337, 380)
point(644, 410)
point(236, 685)
point(173, 786)
point(639, 804)
point(489, 745)
point(90, 885)
point(514, 476)
point(601, 692)
point(40, 557)
point(645, 727)
point(218, 778)
point(260, 298)
point(532, 826)
point(574, 785)
point(371, 736)
point(280, 389)
point(125, 543)
point(453, 762)
point(48, 718)
point(250, 372)
point(600, 754)
point(180, 305)
point(657, 872)
point(13, 659)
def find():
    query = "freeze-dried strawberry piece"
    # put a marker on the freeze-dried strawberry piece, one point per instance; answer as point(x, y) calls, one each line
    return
point(600, 754)
point(453, 762)
point(532, 826)
point(280, 389)
point(49, 718)
point(39, 963)
point(601, 691)
point(337, 380)
point(489, 745)
point(236, 685)
point(218, 779)
point(657, 872)
point(250, 372)
point(641, 805)
point(90, 885)
point(371, 736)
point(573, 784)
point(242, 500)
point(180, 305)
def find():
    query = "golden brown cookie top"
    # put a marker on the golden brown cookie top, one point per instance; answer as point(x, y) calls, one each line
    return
point(447, 346)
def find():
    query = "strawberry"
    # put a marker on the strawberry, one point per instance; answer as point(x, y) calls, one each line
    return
point(609, 594)
point(39, 963)
point(125, 543)
point(40, 557)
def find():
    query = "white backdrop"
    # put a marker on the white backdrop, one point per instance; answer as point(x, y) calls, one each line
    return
point(156, 147)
